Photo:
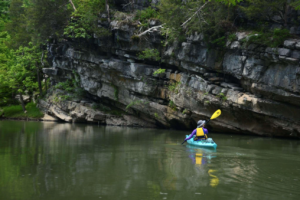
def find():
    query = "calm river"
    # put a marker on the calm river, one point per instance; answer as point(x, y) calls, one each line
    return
point(75, 161)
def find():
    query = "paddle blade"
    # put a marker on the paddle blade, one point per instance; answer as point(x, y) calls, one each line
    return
point(216, 114)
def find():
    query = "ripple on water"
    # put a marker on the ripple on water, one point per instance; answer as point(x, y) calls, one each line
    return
point(258, 174)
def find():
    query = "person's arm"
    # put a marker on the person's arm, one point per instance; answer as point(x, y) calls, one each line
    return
point(205, 132)
point(192, 134)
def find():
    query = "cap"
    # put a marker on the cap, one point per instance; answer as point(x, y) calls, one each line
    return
point(200, 123)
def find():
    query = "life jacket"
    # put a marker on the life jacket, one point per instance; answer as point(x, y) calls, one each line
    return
point(200, 134)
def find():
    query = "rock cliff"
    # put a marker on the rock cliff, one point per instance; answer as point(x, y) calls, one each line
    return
point(256, 87)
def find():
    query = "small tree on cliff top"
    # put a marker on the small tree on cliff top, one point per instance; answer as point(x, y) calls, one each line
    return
point(183, 18)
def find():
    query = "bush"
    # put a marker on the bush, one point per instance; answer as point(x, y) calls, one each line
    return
point(172, 105)
point(33, 111)
point(174, 87)
point(159, 71)
point(150, 54)
point(144, 15)
point(12, 111)
point(16, 111)
point(271, 39)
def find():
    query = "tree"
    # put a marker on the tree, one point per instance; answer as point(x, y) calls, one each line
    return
point(17, 25)
point(85, 18)
point(277, 11)
point(47, 19)
point(5, 92)
point(186, 17)
point(19, 73)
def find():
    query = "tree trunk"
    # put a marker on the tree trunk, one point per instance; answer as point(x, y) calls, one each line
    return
point(71, 2)
point(46, 86)
point(39, 78)
point(22, 102)
point(107, 10)
point(286, 12)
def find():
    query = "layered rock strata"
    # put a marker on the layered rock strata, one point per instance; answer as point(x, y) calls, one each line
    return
point(256, 87)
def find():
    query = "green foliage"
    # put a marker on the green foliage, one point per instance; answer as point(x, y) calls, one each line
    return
point(174, 87)
point(156, 116)
point(84, 21)
point(206, 102)
point(4, 14)
point(159, 71)
point(58, 98)
point(119, 16)
point(116, 91)
point(17, 25)
point(229, 2)
point(73, 30)
point(135, 38)
point(222, 96)
point(136, 102)
point(71, 86)
point(33, 111)
point(296, 4)
point(270, 39)
point(150, 54)
point(172, 105)
point(220, 41)
point(184, 111)
point(67, 86)
point(19, 74)
point(263, 9)
point(231, 37)
point(145, 15)
point(5, 57)
point(16, 111)
point(12, 111)
point(184, 18)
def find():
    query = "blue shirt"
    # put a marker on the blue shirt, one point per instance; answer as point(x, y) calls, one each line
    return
point(195, 132)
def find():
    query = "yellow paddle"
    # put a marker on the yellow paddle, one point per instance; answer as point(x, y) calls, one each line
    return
point(214, 116)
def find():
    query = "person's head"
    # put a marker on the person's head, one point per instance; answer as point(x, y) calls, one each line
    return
point(201, 123)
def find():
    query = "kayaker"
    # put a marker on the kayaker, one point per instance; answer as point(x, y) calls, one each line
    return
point(200, 132)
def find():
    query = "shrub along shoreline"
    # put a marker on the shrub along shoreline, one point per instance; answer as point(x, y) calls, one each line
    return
point(16, 112)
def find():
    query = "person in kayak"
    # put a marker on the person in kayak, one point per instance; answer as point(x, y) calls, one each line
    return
point(200, 132)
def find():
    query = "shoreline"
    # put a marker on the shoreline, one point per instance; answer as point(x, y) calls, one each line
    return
point(20, 119)
point(229, 134)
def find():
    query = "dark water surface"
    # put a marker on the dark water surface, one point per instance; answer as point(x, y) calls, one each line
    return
point(67, 161)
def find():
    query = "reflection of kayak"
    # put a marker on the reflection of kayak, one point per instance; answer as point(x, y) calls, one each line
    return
point(196, 149)
point(202, 143)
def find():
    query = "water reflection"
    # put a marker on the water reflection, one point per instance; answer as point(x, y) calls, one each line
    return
point(203, 156)
point(200, 156)
point(67, 161)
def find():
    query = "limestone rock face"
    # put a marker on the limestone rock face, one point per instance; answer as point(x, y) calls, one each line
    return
point(256, 87)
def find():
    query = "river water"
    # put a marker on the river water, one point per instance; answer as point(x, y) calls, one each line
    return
point(75, 161)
